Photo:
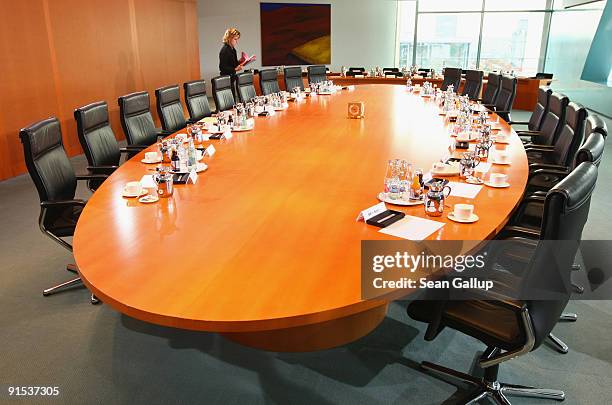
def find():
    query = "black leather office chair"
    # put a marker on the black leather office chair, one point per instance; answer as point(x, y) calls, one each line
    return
point(196, 100)
point(98, 140)
point(246, 89)
point(490, 92)
point(56, 183)
point(268, 81)
point(424, 72)
point(451, 76)
point(539, 112)
point(552, 122)
point(356, 71)
point(505, 97)
point(317, 73)
point(542, 180)
point(170, 108)
point(510, 327)
point(560, 155)
point(473, 84)
point(293, 78)
point(137, 121)
point(222, 93)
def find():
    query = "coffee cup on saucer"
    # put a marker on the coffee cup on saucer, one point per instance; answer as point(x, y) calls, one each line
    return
point(502, 138)
point(463, 212)
point(498, 179)
point(133, 188)
point(152, 156)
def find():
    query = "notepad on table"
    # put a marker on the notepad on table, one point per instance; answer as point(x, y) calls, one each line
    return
point(412, 228)
point(464, 190)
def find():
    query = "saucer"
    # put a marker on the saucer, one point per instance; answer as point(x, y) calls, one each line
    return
point(147, 199)
point(502, 185)
point(126, 195)
point(399, 201)
point(150, 162)
point(200, 167)
point(472, 218)
point(242, 129)
point(495, 162)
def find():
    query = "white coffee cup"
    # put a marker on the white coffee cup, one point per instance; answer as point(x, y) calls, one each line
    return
point(498, 179)
point(463, 211)
point(152, 156)
point(133, 188)
point(501, 137)
point(502, 157)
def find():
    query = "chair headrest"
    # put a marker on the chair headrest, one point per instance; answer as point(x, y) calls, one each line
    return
point(294, 71)
point(558, 102)
point(316, 70)
point(195, 88)
point(508, 82)
point(594, 123)
point(134, 103)
point(577, 187)
point(592, 150)
point(474, 74)
point(544, 93)
point(168, 95)
point(91, 116)
point(268, 75)
point(493, 79)
point(575, 114)
point(221, 82)
point(42, 136)
point(245, 78)
point(453, 72)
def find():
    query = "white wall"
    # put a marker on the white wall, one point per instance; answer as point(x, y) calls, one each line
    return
point(362, 31)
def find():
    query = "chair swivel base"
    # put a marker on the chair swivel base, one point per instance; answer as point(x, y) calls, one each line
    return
point(67, 284)
point(558, 344)
point(495, 390)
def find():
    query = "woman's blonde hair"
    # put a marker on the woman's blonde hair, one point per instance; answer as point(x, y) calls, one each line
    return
point(229, 34)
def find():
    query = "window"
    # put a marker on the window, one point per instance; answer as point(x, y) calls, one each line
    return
point(511, 42)
point(450, 5)
point(506, 5)
point(447, 40)
point(406, 23)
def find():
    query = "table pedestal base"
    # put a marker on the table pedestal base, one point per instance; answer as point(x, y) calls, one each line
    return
point(318, 336)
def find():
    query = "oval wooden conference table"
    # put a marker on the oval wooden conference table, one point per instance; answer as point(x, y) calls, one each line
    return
point(265, 248)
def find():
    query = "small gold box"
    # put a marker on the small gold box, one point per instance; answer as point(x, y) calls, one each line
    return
point(356, 109)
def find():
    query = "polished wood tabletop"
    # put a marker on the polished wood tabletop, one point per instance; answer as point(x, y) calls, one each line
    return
point(267, 238)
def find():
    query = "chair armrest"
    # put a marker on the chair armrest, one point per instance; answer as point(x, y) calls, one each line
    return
point(133, 148)
point(102, 169)
point(548, 166)
point(499, 299)
point(553, 172)
point(529, 133)
point(91, 177)
point(60, 203)
point(539, 148)
point(518, 122)
point(519, 232)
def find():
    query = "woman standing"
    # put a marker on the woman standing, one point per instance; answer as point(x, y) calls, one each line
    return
point(228, 58)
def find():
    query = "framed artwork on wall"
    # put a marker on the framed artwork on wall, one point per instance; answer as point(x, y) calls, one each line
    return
point(295, 34)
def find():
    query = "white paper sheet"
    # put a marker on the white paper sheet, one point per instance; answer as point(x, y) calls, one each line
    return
point(464, 190)
point(412, 228)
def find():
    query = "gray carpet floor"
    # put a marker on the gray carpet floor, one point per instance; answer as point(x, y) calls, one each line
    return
point(95, 355)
